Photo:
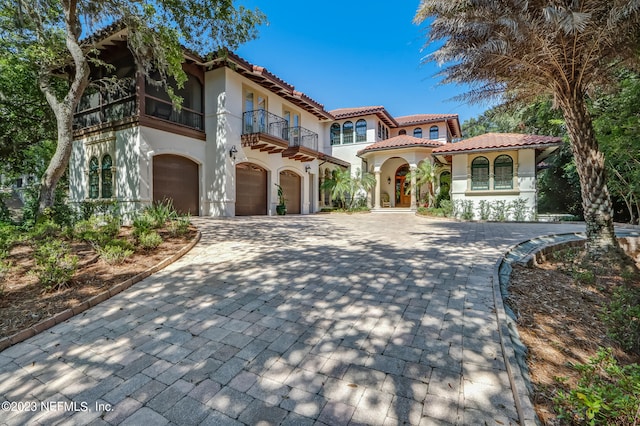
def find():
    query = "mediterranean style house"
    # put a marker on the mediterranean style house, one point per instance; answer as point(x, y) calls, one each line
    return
point(242, 132)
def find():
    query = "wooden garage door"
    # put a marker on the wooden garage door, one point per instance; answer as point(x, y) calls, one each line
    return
point(290, 183)
point(176, 178)
point(251, 190)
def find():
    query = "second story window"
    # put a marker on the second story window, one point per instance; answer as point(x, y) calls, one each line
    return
point(434, 133)
point(347, 132)
point(335, 134)
point(255, 112)
point(361, 131)
point(417, 132)
point(402, 132)
point(379, 130)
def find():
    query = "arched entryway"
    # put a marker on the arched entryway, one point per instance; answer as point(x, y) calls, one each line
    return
point(176, 178)
point(292, 189)
point(402, 184)
point(251, 190)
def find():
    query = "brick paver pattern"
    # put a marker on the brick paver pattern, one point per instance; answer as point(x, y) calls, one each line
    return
point(376, 319)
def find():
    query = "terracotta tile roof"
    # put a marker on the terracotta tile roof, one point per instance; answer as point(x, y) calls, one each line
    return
point(401, 141)
point(493, 141)
point(380, 111)
point(407, 120)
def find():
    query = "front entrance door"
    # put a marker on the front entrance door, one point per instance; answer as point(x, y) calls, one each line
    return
point(403, 183)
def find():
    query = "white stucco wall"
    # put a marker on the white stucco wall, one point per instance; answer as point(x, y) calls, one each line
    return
point(223, 121)
point(524, 170)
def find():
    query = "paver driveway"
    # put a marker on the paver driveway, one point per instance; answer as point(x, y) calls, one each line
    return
point(363, 319)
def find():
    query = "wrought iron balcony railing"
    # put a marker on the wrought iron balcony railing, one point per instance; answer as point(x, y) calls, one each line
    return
point(262, 121)
point(301, 137)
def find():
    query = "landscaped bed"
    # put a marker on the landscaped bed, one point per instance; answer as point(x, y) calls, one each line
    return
point(31, 293)
point(565, 318)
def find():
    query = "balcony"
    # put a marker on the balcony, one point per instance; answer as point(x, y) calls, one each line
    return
point(116, 104)
point(270, 133)
point(99, 107)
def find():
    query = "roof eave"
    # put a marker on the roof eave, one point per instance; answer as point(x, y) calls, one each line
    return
point(503, 148)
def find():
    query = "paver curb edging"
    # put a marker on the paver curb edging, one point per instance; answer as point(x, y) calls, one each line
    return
point(506, 330)
point(515, 360)
point(94, 300)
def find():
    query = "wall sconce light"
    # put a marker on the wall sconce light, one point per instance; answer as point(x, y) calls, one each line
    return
point(232, 152)
point(307, 168)
point(389, 180)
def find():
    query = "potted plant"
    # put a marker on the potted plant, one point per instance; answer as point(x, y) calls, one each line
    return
point(281, 208)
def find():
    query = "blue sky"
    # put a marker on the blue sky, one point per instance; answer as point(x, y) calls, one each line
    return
point(353, 53)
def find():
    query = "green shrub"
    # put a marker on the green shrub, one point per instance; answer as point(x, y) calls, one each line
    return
point(606, 394)
point(149, 240)
point(519, 209)
point(622, 317)
point(447, 207)
point(467, 210)
point(179, 227)
point(160, 212)
point(45, 229)
point(55, 265)
point(5, 214)
point(485, 209)
point(115, 252)
point(499, 210)
point(97, 230)
point(584, 276)
point(142, 224)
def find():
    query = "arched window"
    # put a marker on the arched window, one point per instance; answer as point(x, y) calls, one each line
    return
point(107, 180)
point(94, 178)
point(434, 133)
point(335, 134)
point(480, 173)
point(503, 172)
point(361, 131)
point(347, 132)
point(417, 132)
point(402, 132)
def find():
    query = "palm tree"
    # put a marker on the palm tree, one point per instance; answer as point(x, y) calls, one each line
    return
point(423, 175)
point(346, 188)
point(521, 49)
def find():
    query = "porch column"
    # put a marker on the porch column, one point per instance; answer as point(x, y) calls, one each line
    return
point(376, 194)
point(414, 204)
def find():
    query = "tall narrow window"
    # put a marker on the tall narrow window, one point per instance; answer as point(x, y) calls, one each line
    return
point(379, 130)
point(480, 173)
point(361, 131)
point(107, 180)
point(94, 178)
point(434, 133)
point(335, 134)
point(417, 132)
point(503, 172)
point(347, 132)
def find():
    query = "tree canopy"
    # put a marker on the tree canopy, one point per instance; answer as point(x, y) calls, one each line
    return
point(522, 49)
point(57, 40)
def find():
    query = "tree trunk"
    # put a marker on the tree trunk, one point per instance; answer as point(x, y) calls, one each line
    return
point(59, 161)
point(63, 108)
point(596, 201)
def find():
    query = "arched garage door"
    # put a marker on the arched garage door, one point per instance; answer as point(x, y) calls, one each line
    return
point(176, 178)
point(291, 188)
point(251, 190)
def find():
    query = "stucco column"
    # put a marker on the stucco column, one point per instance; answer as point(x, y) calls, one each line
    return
point(376, 194)
point(414, 203)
